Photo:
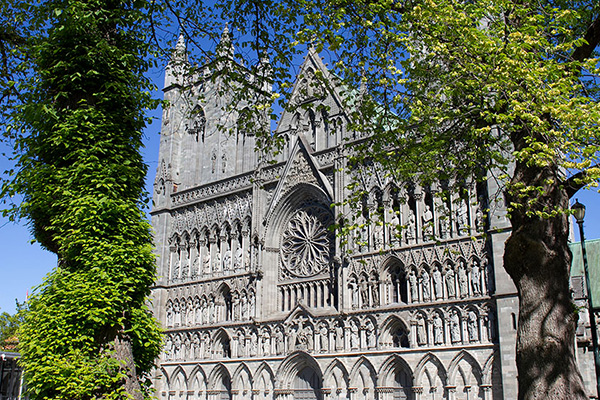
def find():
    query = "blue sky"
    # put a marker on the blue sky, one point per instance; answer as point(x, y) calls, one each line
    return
point(24, 265)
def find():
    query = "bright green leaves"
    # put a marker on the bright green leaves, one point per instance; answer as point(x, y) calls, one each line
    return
point(81, 177)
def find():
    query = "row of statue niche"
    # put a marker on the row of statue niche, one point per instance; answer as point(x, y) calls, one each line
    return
point(283, 339)
point(210, 310)
point(453, 328)
point(449, 282)
point(404, 230)
point(364, 293)
point(212, 261)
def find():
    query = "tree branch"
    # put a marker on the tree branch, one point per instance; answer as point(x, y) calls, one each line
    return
point(574, 183)
point(592, 38)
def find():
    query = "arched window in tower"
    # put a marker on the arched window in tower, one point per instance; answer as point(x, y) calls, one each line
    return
point(307, 385)
point(198, 124)
point(312, 129)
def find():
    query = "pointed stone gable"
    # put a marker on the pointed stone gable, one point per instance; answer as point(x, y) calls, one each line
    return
point(301, 168)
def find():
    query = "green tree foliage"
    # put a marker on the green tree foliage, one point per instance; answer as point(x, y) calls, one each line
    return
point(87, 332)
point(457, 92)
point(9, 324)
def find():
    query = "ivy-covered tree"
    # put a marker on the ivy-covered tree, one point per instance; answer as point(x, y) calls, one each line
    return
point(87, 332)
point(457, 92)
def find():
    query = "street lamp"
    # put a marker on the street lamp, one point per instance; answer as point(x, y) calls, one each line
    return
point(579, 213)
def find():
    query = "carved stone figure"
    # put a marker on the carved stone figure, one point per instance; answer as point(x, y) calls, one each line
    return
point(450, 282)
point(324, 338)
point(394, 224)
point(217, 262)
point(375, 293)
point(421, 332)
point(414, 290)
point(462, 218)
point(279, 343)
point(237, 264)
point(370, 332)
point(354, 336)
point(463, 281)
point(364, 294)
point(206, 263)
point(438, 329)
point(169, 314)
point(472, 326)
point(169, 348)
point(227, 261)
point(454, 323)
point(425, 285)
point(378, 235)
point(476, 278)
point(438, 286)
point(175, 267)
point(176, 313)
point(410, 226)
point(252, 305)
point(427, 219)
point(266, 338)
point(339, 335)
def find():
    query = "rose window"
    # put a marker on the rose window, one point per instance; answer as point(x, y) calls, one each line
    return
point(305, 246)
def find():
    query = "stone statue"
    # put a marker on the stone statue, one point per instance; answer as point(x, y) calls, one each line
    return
point(472, 326)
point(364, 294)
point(169, 314)
point(253, 343)
point(370, 331)
point(454, 323)
point(241, 344)
point(176, 314)
point(227, 260)
point(217, 262)
point(169, 348)
point(476, 279)
point(438, 329)
point(279, 344)
point(378, 235)
point(354, 292)
point(207, 264)
point(421, 333)
point(462, 223)
point(266, 343)
point(438, 286)
point(237, 264)
point(339, 335)
point(414, 290)
point(450, 282)
point(410, 226)
point(324, 338)
point(425, 285)
point(394, 224)
point(175, 267)
point(427, 219)
point(463, 281)
point(354, 338)
point(252, 305)
point(375, 293)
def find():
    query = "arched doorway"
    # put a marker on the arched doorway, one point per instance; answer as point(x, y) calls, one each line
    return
point(307, 385)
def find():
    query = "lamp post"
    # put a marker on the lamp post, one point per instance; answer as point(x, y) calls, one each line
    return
point(579, 213)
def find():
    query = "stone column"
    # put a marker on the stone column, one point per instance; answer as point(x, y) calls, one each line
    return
point(418, 391)
point(451, 392)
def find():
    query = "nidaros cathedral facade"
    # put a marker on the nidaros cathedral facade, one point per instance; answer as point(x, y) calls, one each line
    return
point(260, 300)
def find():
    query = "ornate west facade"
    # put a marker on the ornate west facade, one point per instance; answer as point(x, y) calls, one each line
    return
point(260, 300)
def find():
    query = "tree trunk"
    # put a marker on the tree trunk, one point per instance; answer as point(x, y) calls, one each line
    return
point(124, 353)
point(538, 259)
